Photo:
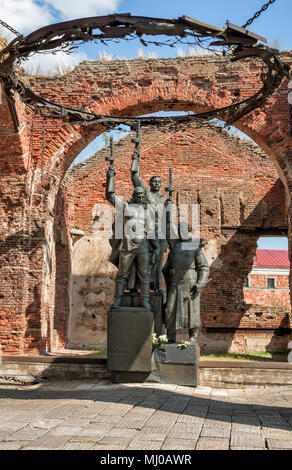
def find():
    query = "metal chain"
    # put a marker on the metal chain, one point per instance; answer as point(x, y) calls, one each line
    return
point(258, 13)
point(12, 30)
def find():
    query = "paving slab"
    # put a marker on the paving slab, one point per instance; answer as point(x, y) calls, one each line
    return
point(152, 433)
point(247, 441)
point(145, 445)
point(159, 424)
point(279, 444)
point(26, 434)
point(208, 443)
point(122, 443)
point(184, 418)
point(96, 430)
point(94, 439)
point(215, 422)
point(122, 433)
point(244, 448)
point(245, 428)
point(48, 442)
point(16, 445)
point(46, 423)
point(104, 419)
point(91, 415)
point(67, 431)
point(77, 446)
point(274, 433)
point(246, 419)
point(215, 432)
point(179, 444)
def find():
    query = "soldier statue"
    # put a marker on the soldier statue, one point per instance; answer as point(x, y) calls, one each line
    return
point(133, 246)
point(155, 205)
point(186, 273)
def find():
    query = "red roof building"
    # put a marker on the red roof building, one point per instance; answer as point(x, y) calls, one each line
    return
point(272, 259)
point(268, 282)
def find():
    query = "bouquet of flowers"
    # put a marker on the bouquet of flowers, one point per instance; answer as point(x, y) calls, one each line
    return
point(159, 340)
point(183, 345)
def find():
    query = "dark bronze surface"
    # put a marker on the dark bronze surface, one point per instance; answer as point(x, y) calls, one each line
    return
point(129, 340)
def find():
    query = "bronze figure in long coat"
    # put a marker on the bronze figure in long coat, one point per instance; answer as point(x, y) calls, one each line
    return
point(186, 272)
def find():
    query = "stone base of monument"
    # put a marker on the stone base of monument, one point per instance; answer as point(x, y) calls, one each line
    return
point(132, 299)
point(129, 344)
point(174, 365)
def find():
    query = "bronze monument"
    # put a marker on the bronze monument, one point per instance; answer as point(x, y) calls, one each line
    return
point(138, 247)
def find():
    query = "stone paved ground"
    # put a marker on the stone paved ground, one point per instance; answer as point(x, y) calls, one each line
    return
point(103, 416)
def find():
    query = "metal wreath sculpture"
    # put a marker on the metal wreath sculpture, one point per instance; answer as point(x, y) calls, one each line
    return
point(241, 44)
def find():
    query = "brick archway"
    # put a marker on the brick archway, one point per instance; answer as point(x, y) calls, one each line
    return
point(119, 88)
point(137, 87)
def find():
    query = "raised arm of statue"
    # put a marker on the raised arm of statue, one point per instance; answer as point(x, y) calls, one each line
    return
point(135, 172)
point(110, 192)
point(110, 186)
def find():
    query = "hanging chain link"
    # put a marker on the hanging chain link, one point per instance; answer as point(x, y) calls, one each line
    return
point(12, 30)
point(258, 13)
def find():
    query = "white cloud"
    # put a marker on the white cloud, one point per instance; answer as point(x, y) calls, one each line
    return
point(28, 15)
point(25, 15)
point(52, 64)
point(71, 9)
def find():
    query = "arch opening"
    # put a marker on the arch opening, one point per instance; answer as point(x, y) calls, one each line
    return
point(235, 206)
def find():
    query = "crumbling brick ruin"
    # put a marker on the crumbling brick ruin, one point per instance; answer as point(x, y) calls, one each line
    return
point(36, 218)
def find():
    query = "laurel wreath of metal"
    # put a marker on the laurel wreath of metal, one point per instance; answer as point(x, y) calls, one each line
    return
point(239, 42)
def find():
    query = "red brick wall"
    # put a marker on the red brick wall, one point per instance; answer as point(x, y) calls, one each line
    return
point(30, 179)
point(260, 280)
point(268, 297)
point(259, 294)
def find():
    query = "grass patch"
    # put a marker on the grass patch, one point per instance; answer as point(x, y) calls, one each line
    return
point(280, 356)
point(97, 352)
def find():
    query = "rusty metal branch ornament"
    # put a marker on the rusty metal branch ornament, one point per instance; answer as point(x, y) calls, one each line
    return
point(242, 44)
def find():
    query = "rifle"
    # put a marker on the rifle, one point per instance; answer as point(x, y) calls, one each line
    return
point(170, 189)
point(111, 159)
point(136, 154)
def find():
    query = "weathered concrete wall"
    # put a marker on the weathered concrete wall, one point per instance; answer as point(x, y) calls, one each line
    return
point(240, 197)
point(211, 373)
point(244, 340)
point(91, 293)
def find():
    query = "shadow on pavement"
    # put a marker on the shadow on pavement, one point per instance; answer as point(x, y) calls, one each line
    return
point(141, 397)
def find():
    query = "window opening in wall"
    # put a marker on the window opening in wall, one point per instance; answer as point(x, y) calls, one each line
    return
point(246, 282)
point(271, 283)
point(267, 283)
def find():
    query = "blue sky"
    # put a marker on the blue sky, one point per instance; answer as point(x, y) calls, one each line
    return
point(274, 23)
point(29, 15)
point(273, 243)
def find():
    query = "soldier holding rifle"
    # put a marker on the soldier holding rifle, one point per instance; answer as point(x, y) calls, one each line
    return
point(155, 206)
point(186, 273)
point(134, 245)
